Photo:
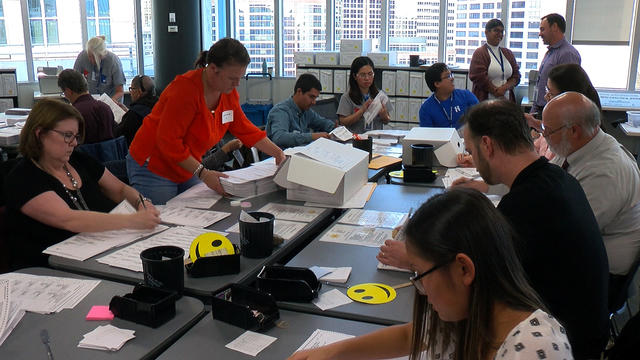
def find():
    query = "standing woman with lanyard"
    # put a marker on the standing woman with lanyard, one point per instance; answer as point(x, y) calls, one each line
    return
point(362, 91)
point(194, 112)
point(494, 70)
point(101, 68)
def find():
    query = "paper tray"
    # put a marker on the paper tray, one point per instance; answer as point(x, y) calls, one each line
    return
point(287, 283)
point(215, 265)
point(244, 307)
point(145, 305)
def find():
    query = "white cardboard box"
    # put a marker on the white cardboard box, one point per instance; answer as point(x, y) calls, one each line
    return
point(326, 79)
point(389, 82)
point(327, 58)
point(426, 92)
point(339, 81)
point(414, 110)
point(361, 46)
point(402, 83)
point(415, 83)
point(446, 142)
point(392, 112)
point(346, 58)
point(402, 109)
point(304, 58)
point(324, 171)
point(384, 58)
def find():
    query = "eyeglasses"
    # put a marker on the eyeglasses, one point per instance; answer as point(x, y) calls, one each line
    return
point(549, 93)
point(415, 279)
point(68, 136)
point(546, 132)
point(132, 88)
point(449, 76)
point(365, 75)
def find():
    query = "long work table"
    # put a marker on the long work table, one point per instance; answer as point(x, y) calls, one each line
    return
point(67, 327)
point(363, 261)
point(202, 287)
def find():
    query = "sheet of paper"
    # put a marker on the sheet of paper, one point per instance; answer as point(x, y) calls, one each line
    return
point(118, 112)
point(341, 133)
point(10, 312)
point(319, 271)
point(106, 337)
point(330, 152)
point(191, 217)
point(331, 299)
point(375, 218)
point(197, 197)
point(292, 212)
point(282, 228)
point(455, 173)
point(337, 274)
point(374, 108)
point(385, 141)
point(357, 201)
point(321, 338)
point(129, 257)
point(251, 343)
point(356, 235)
point(382, 266)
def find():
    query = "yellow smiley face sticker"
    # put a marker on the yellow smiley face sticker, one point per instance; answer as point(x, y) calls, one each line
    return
point(209, 242)
point(371, 293)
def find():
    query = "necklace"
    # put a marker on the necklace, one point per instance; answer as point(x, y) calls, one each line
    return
point(74, 183)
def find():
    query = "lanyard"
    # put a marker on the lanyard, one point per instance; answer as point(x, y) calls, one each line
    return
point(450, 114)
point(500, 61)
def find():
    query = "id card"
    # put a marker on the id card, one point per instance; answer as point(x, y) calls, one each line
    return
point(227, 116)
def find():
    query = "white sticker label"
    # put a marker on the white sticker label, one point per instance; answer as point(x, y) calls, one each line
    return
point(227, 116)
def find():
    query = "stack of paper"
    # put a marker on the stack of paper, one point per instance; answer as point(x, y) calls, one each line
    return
point(106, 337)
point(198, 197)
point(190, 217)
point(454, 174)
point(321, 338)
point(342, 133)
point(251, 343)
point(10, 312)
point(292, 212)
point(385, 219)
point(356, 235)
point(118, 112)
point(332, 274)
point(10, 135)
point(47, 294)
point(250, 181)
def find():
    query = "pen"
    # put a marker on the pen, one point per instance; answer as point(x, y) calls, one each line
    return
point(44, 336)
point(142, 201)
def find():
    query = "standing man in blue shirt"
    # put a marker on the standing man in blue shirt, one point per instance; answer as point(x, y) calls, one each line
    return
point(447, 104)
point(292, 122)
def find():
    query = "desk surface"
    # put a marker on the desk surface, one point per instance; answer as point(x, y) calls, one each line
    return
point(210, 336)
point(629, 129)
point(363, 261)
point(204, 286)
point(67, 327)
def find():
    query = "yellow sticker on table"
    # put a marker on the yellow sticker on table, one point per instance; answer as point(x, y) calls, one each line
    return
point(371, 293)
point(399, 174)
point(209, 242)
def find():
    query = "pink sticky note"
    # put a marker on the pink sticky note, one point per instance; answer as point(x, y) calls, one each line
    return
point(100, 312)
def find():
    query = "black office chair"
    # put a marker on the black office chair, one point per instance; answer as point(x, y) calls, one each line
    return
point(619, 295)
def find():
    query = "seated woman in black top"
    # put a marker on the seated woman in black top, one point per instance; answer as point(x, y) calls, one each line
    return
point(143, 97)
point(54, 192)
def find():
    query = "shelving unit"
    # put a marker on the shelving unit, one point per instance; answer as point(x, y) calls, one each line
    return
point(405, 86)
point(8, 89)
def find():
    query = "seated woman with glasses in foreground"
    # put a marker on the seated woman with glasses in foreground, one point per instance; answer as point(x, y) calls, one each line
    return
point(54, 192)
point(472, 300)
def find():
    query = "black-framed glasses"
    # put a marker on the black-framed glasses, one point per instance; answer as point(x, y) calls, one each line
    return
point(68, 136)
point(546, 132)
point(415, 279)
point(448, 76)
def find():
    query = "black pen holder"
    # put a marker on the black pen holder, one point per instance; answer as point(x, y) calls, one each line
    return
point(286, 283)
point(215, 265)
point(418, 174)
point(245, 307)
point(145, 305)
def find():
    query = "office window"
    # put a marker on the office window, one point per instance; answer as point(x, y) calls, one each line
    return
point(414, 27)
point(606, 65)
point(474, 6)
point(534, 25)
point(43, 25)
point(532, 45)
point(474, 43)
point(98, 22)
point(258, 25)
point(462, 15)
point(460, 42)
point(470, 51)
point(517, 25)
point(462, 6)
point(474, 16)
point(459, 51)
point(461, 33)
point(515, 44)
point(517, 14)
point(461, 25)
point(303, 24)
point(474, 25)
point(474, 34)
point(488, 6)
point(533, 35)
point(517, 5)
point(532, 55)
point(488, 15)
point(516, 35)
point(531, 66)
point(147, 36)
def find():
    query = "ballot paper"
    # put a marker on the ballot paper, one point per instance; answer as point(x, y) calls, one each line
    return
point(382, 266)
point(332, 274)
point(191, 217)
point(282, 228)
point(456, 173)
point(331, 299)
point(250, 181)
point(10, 311)
point(356, 235)
point(375, 218)
point(342, 133)
point(357, 201)
point(129, 257)
point(106, 337)
point(47, 294)
point(292, 212)
point(374, 108)
point(251, 343)
point(197, 197)
point(321, 338)
point(118, 112)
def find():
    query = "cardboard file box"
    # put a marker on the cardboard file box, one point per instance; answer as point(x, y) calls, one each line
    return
point(389, 82)
point(361, 46)
point(446, 142)
point(414, 110)
point(304, 58)
point(415, 83)
point(324, 171)
point(402, 83)
point(339, 81)
point(327, 58)
point(347, 58)
point(326, 79)
point(402, 109)
point(384, 58)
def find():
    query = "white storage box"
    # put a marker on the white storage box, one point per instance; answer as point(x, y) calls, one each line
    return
point(304, 58)
point(633, 118)
point(384, 58)
point(346, 58)
point(325, 172)
point(327, 58)
point(414, 110)
point(402, 109)
point(361, 46)
point(326, 79)
point(389, 82)
point(446, 143)
point(415, 83)
point(402, 83)
point(339, 81)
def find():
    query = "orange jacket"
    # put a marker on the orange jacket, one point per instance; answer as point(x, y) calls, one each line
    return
point(180, 125)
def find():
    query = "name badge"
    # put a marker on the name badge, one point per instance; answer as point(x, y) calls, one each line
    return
point(93, 76)
point(227, 116)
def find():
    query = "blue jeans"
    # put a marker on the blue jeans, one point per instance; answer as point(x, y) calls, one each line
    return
point(155, 187)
